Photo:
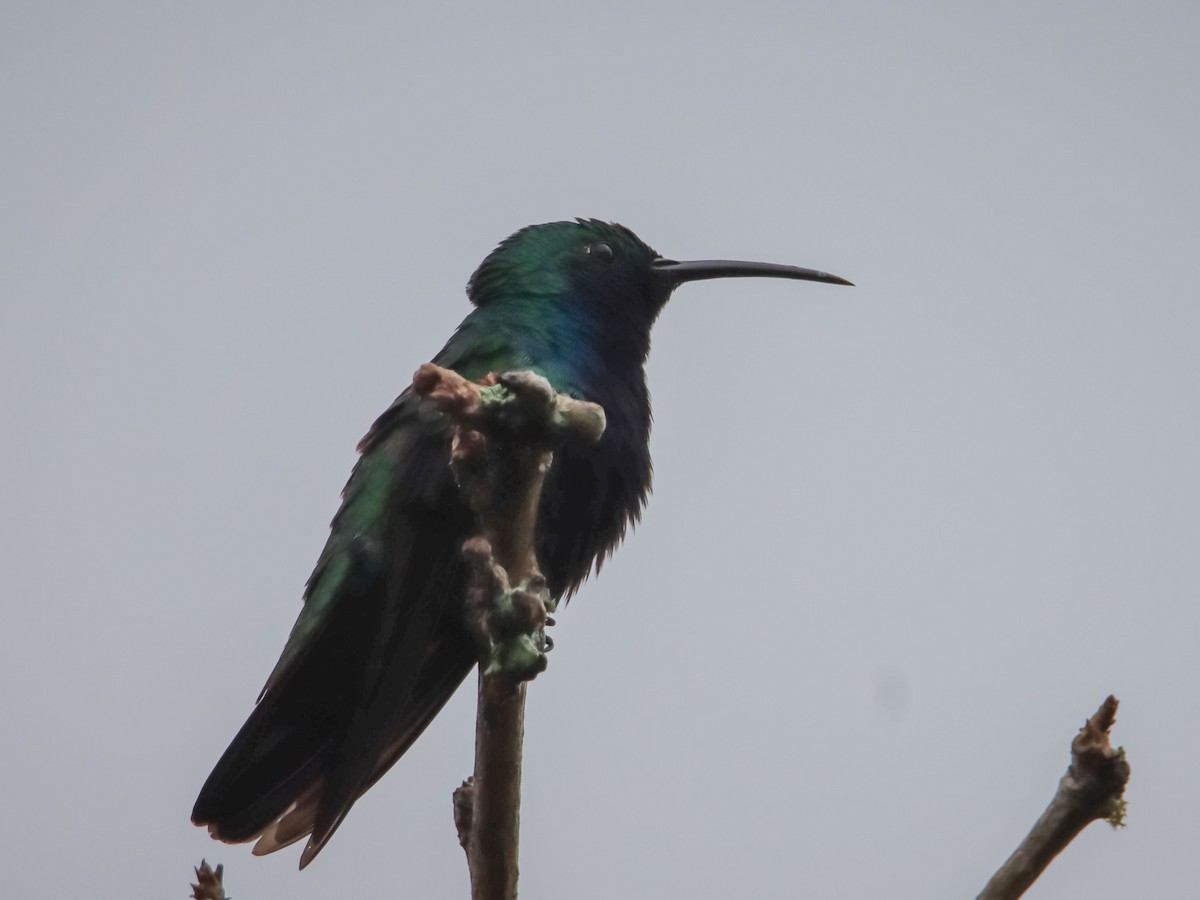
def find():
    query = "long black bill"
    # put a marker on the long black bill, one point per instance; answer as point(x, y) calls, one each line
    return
point(701, 269)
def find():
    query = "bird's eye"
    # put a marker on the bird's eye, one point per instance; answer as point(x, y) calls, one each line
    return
point(600, 251)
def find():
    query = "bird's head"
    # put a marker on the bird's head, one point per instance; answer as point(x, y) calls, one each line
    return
point(599, 276)
point(586, 264)
point(602, 263)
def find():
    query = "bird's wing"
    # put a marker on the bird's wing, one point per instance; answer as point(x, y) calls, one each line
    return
point(378, 647)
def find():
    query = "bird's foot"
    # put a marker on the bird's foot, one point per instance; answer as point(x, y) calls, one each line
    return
point(518, 634)
point(509, 623)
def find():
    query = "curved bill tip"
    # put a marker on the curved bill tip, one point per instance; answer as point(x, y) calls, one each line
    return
point(702, 269)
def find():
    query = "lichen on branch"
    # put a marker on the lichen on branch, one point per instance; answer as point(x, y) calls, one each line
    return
point(505, 430)
point(504, 433)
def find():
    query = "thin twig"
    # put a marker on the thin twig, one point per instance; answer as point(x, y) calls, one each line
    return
point(1092, 789)
point(505, 430)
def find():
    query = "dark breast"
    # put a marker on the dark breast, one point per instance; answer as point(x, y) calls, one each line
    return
point(593, 493)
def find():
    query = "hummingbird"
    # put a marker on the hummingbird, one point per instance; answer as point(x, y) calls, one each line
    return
point(381, 642)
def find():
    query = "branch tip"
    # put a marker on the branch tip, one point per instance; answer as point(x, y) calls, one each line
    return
point(209, 884)
point(1093, 788)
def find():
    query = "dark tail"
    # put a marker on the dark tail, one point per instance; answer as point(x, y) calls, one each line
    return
point(270, 785)
point(378, 649)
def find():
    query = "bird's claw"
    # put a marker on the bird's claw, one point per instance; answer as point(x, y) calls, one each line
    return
point(509, 622)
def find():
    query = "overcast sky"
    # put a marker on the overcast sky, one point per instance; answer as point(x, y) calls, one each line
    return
point(904, 537)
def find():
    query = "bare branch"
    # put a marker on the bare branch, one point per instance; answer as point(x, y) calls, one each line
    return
point(1092, 789)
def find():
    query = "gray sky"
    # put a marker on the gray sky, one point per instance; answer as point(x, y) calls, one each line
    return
point(904, 537)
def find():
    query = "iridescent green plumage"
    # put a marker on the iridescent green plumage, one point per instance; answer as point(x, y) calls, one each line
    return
point(379, 645)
